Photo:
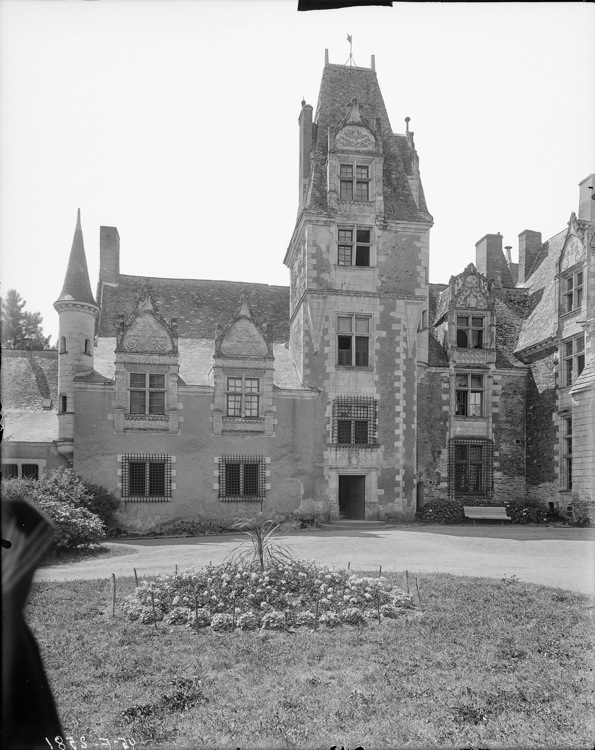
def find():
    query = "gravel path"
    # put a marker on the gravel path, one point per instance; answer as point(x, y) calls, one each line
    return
point(563, 558)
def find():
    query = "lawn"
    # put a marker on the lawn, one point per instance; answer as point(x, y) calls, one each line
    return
point(490, 664)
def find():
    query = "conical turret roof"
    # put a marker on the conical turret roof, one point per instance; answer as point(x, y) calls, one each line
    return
point(77, 287)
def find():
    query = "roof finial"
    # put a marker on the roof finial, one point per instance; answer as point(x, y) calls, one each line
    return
point(351, 62)
point(407, 121)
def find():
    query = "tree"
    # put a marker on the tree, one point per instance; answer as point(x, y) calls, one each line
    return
point(21, 329)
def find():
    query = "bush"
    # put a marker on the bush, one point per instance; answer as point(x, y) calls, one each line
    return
point(103, 502)
point(531, 511)
point(442, 510)
point(75, 527)
point(63, 497)
point(64, 486)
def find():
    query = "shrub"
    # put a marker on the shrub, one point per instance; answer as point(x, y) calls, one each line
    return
point(56, 494)
point(64, 486)
point(102, 502)
point(531, 511)
point(442, 510)
point(75, 527)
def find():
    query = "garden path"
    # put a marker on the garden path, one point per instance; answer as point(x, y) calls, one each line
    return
point(551, 556)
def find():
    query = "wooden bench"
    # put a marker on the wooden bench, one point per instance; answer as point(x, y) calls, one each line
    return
point(492, 513)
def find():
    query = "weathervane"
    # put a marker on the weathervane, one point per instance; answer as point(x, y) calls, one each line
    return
point(351, 62)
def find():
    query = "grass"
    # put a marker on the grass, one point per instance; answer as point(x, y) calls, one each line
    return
point(93, 552)
point(491, 664)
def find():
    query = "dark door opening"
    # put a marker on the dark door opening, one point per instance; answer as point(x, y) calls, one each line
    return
point(352, 494)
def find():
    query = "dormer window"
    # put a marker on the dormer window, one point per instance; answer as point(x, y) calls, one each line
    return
point(354, 246)
point(574, 359)
point(147, 393)
point(470, 332)
point(572, 286)
point(354, 182)
point(243, 397)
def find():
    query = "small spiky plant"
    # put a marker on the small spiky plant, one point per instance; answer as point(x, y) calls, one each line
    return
point(259, 549)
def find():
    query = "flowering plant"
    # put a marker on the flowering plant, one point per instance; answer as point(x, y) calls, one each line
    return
point(258, 598)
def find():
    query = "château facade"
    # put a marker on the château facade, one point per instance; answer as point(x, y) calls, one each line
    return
point(361, 391)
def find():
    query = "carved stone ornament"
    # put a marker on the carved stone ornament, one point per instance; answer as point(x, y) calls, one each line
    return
point(574, 252)
point(244, 339)
point(471, 291)
point(147, 335)
point(354, 137)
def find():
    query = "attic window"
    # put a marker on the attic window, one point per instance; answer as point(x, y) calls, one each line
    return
point(147, 393)
point(470, 332)
point(573, 292)
point(354, 182)
point(243, 397)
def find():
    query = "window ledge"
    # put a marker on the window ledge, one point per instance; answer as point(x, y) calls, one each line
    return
point(469, 419)
point(242, 499)
point(355, 446)
point(354, 267)
point(355, 367)
point(148, 417)
point(568, 313)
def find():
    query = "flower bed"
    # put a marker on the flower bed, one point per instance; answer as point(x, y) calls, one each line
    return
point(228, 595)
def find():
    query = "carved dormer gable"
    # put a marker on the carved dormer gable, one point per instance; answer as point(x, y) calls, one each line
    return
point(574, 249)
point(354, 133)
point(146, 330)
point(471, 290)
point(243, 337)
point(243, 376)
point(147, 371)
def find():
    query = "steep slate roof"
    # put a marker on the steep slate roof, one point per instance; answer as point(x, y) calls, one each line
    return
point(542, 322)
point(196, 363)
point(76, 283)
point(436, 352)
point(340, 84)
point(198, 304)
point(29, 378)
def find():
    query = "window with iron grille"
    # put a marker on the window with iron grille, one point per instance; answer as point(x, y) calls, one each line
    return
point(572, 286)
point(243, 397)
point(469, 394)
point(10, 471)
point(354, 182)
point(573, 358)
point(470, 468)
point(146, 477)
point(355, 420)
point(30, 471)
point(242, 478)
point(567, 453)
point(354, 246)
point(353, 341)
point(147, 393)
point(470, 332)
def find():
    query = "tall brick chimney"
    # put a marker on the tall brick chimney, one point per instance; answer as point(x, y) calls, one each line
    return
point(490, 260)
point(109, 255)
point(586, 200)
point(305, 122)
point(529, 246)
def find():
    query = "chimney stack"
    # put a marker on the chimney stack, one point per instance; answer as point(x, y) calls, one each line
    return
point(490, 260)
point(586, 201)
point(305, 123)
point(109, 255)
point(529, 247)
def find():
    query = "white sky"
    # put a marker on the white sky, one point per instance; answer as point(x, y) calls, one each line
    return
point(177, 123)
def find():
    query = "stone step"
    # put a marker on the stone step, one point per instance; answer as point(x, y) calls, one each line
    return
point(347, 524)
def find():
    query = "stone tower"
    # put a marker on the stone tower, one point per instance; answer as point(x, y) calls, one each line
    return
point(358, 260)
point(77, 311)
